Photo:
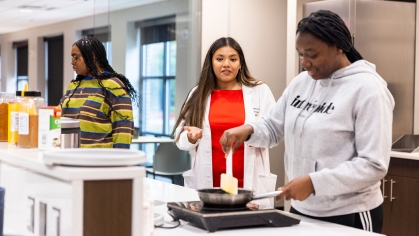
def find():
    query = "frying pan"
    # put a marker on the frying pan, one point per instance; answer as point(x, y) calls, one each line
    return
point(217, 197)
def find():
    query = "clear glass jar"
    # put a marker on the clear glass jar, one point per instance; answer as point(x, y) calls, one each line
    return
point(5, 100)
point(28, 119)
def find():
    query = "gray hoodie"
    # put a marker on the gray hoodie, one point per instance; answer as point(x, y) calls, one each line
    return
point(336, 130)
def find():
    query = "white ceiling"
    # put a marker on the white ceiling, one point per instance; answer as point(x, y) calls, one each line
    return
point(18, 15)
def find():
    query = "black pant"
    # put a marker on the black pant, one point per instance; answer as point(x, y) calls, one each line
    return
point(371, 220)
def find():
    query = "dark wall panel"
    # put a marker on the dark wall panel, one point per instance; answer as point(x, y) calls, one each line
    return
point(55, 69)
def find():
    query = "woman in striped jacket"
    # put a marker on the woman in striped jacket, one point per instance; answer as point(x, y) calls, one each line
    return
point(99, 98)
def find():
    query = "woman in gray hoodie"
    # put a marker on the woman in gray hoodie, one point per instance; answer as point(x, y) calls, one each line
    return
point(336, 121)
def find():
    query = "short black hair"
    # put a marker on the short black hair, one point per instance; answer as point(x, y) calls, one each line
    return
point(330, 28)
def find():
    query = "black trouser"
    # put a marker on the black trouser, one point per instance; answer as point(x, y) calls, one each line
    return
point(371, 220)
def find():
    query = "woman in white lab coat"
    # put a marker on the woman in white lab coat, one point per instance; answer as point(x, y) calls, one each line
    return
point(226, 95)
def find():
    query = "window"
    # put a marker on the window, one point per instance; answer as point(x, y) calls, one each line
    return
point(21, 64)
point(158, 88)
point(157, 77)
point(108, 48)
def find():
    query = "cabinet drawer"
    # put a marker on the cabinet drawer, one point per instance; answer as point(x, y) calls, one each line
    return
point(404, 167)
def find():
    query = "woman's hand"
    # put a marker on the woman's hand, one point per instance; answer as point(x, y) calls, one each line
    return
point(235, 137)
point(298, 189)
point(194, 133)
point(252, 206)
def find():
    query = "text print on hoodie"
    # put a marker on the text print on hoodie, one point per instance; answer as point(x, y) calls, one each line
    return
point(336, 130)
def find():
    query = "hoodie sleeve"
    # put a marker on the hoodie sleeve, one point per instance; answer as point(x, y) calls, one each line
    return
point(373, 117)
point(269, 130)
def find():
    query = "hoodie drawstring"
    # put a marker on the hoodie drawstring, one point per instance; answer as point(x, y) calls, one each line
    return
point(311, 93)
point(320, 102)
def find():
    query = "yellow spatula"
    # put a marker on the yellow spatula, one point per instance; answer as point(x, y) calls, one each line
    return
point(228, 183)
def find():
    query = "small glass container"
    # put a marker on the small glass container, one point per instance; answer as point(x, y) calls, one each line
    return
point(5, 99)
point(28, 119)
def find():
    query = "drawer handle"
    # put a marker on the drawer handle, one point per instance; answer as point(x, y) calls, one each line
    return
point(384, 184)
point(391, 190)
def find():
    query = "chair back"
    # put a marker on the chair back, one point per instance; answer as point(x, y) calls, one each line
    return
point(170, 160)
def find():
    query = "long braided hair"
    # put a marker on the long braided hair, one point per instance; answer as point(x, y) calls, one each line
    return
point(92, 50)
point(330, 28)
point(193, 109)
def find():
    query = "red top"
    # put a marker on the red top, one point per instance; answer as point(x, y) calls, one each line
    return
point(226, 111)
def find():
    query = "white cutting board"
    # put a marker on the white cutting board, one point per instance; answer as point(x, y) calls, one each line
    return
point(94, 157)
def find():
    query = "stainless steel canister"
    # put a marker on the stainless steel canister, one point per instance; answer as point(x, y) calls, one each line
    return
point(70, 133)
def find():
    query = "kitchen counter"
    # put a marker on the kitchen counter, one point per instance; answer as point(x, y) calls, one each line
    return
point(405, 155)
point(166, 192)
point(31, 159)
point(25, 175)
point(46, 199)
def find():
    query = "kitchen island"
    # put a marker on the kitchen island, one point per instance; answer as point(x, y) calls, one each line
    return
point(60, 200)
point(166, 192)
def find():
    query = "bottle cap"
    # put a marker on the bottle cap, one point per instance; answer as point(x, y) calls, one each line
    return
point(29, 93)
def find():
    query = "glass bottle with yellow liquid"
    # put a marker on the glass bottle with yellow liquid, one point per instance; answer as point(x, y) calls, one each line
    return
point(5, 99)
point(28, 119)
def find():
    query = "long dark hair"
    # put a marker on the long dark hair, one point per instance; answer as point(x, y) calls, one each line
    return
point(330, 28)
point(193, 109)
point(92, 50)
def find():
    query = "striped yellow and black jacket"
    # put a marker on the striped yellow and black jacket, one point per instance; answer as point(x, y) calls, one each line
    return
point(100, 126)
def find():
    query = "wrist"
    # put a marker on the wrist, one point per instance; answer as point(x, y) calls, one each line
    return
point(191, 140)
point(250, 131)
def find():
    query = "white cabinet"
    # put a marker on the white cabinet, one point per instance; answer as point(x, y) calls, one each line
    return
point(46, 200)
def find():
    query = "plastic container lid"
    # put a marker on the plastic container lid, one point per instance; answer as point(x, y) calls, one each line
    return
point(68, 123)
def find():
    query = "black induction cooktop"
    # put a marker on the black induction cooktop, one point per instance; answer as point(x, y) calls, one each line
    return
point(213, 219)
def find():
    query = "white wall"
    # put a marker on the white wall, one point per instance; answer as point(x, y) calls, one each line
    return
point(120, 22)
point(36, 64)
point(260, 29)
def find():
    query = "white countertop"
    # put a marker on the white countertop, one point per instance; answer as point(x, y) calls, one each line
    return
point(405, 155)
point(166, 192)
point(31, 159)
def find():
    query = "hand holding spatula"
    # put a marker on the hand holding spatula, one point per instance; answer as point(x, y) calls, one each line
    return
point(228, 183)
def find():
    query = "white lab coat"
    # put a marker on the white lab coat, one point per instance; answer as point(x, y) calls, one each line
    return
point(257, 177)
